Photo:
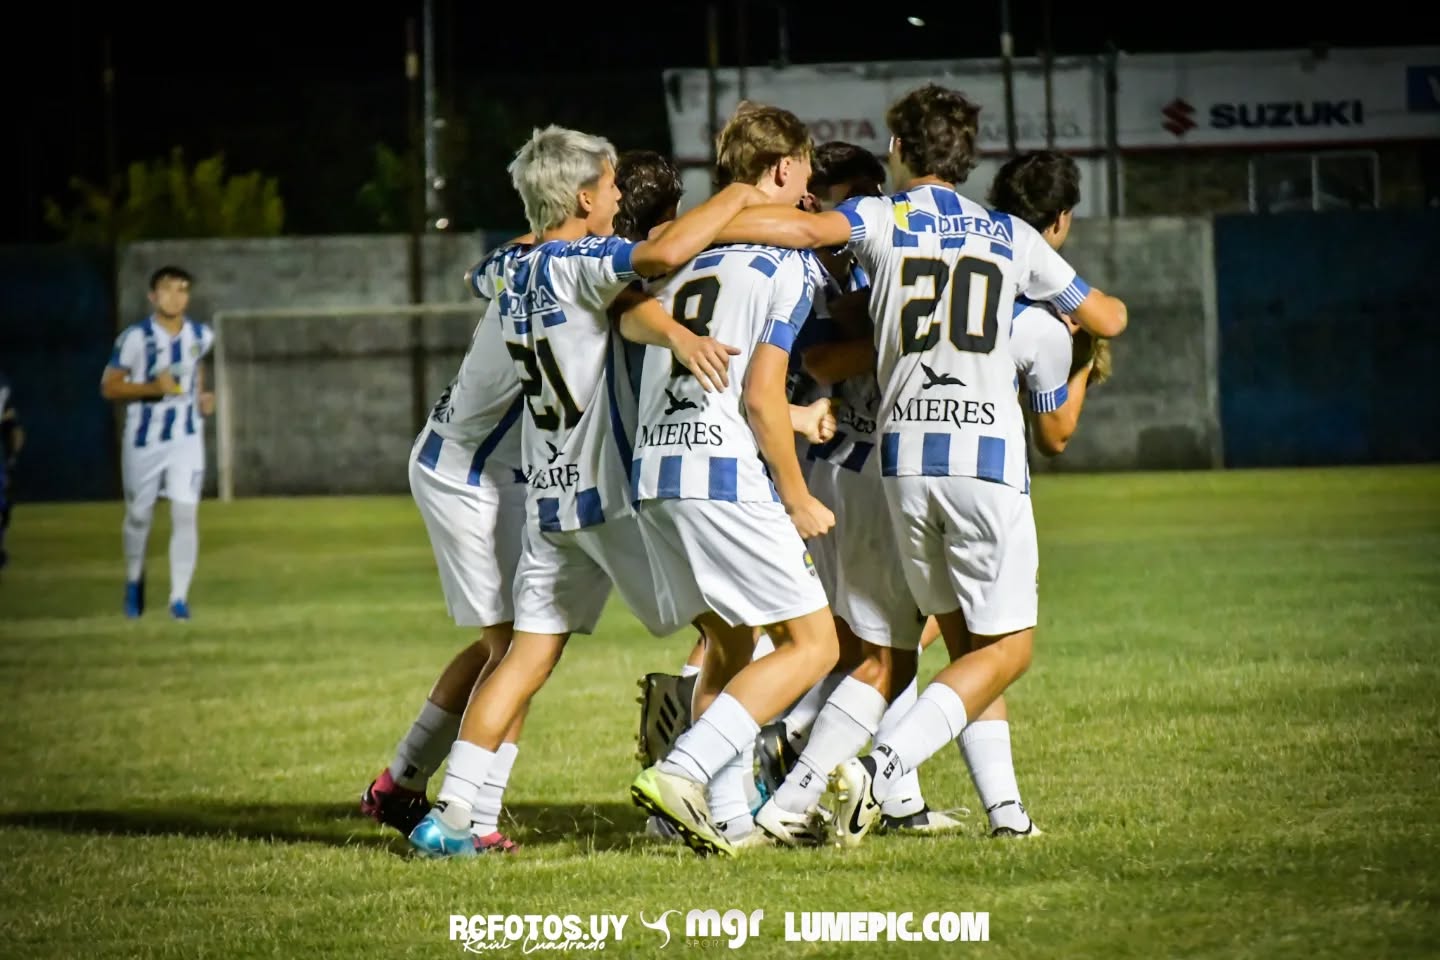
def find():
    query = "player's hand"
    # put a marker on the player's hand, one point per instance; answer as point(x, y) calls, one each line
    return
point(817, 422)
point(707, 358)
point(811, 517)
point(207, 403)
point(165, 383)
point(1070, 323)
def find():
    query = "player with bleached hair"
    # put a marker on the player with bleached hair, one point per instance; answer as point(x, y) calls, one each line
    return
point(155, 372)
point(581, 536)
point(945, 272)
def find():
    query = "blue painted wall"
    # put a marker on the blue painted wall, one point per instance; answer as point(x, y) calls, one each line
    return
point(1329, 337)
point(57, 325)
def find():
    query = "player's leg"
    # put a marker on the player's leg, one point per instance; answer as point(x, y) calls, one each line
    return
point(906, 808)
point(558, 589)
point(987, 546)
point(985, 745)
point(184, 478)
point(142, 469)
point(752, 569)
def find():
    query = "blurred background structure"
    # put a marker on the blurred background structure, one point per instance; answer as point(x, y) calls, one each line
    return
point(1265, 195)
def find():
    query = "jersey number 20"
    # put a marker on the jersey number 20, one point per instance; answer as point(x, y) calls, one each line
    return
point(974, 298)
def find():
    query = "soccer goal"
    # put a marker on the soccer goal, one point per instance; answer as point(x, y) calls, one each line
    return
point(323, 400)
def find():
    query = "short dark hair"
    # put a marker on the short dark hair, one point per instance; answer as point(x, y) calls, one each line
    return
point(937, 129)
point(1037, 187)
point(165, 273)
point(839, 162)
point(650, 190)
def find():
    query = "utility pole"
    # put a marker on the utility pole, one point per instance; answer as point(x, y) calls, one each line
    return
point(417, 226)
point(1007, 68)
point(1047, 55)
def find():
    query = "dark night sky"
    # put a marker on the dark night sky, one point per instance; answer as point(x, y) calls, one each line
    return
point(302, 90)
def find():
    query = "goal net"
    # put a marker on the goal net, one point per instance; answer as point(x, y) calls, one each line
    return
point(325, 400)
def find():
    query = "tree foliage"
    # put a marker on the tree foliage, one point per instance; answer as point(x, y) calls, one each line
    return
point(167, 198)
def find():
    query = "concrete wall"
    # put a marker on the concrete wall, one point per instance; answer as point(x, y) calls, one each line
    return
point(325, 405)
point(1161, 409)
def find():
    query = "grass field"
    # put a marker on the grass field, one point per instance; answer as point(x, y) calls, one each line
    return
point(1231, 735)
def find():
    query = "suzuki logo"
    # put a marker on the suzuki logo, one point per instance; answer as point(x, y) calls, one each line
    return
point(1178, 117)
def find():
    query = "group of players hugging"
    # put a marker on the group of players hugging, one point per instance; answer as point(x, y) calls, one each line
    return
point(795, 418)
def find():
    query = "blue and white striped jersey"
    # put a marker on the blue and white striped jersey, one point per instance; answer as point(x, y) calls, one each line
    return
point(696, 445)
point(476, 421)
point(944, 271)
point(1041, 346)
point(853, 445)
point(145, 349)
point(575, 444)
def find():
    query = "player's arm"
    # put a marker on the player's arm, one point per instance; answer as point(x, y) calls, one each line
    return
point(769, 415)
point(781, 226)
point(12, 434)
point(691, 232)
point(207, 398)
point(816, 421)
point(642, 319)
point(1055, 383)
point(1047, 276)
point(115, 383)
point(830, 363)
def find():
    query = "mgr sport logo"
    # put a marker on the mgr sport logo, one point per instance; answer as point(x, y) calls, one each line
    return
point(709, 928)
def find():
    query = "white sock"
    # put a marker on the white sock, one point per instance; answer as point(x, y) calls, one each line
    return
point(464, 779)
point(689, 671)
point(492, 795)
point(134, 534)
point(802, 716)
point(985, 744)
point(184, 548)
point(937, 718)
point(907, 797)
point(425, 745)
point(729, 803)
point(841, 731)
point(712, 741)
point(763, 646)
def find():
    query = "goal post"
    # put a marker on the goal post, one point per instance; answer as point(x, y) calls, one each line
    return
point(321, 388)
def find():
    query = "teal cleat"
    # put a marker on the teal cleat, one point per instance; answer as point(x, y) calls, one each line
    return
point(434, 838)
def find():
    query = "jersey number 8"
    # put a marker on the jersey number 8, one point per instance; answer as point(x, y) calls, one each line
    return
point(974, 299)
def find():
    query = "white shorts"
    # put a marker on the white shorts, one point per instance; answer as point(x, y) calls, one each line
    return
point(175, 469)
point(476, 533)
point(564, 579)
point(859, 561)
point(744, 561)
point(968, 544)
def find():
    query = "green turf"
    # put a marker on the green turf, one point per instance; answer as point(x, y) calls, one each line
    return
point(1229, 735)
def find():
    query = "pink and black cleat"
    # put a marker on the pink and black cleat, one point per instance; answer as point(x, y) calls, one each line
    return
point(392, 805)
point(495, 842)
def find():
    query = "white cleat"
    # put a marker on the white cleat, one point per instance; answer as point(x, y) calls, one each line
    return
point(789, 829)
point(923, 820)
point(850, 798)
point(1006, 830)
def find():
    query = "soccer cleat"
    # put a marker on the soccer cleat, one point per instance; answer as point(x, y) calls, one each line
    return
point(774, 757)
point(436, 839)
point(658, 828)
point(681, 803)
point(850, 797)
point(392, 805)
point(664, 714)
point(923, 820)
point(135, 598)
point(179, 609)
point(1005, 831)
point(495, 842)
point(790, 829)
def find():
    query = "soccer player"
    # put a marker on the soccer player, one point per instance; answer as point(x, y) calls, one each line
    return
point(944, 272)
point(726, 538)
point(12, 438)
point(581, 537)
point(155, 372)
point(466, 478)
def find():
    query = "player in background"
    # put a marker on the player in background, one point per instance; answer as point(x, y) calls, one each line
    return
point(859, 563)
point(155, 372)
point(466, 479)
point(726, 540)
point(944, 270)
point(12, 439)
point(581, 538)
